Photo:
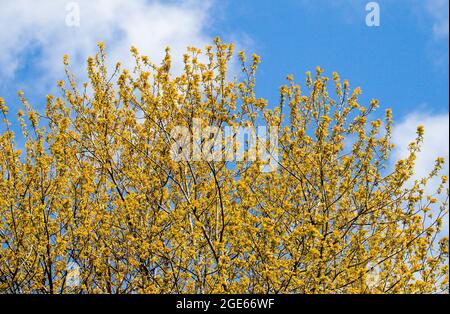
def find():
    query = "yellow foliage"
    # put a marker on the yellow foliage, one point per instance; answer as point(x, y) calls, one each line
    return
point(96, 187)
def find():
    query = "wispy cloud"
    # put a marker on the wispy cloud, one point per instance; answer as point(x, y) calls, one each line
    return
point(438, 12)
point(433, 16)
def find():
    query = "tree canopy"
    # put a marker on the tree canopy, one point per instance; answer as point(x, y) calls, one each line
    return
point(96, 194)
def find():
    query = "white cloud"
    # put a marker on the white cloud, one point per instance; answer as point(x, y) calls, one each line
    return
point(436, 144)
point(34, 35)
point(438, 11)
point(435, 140)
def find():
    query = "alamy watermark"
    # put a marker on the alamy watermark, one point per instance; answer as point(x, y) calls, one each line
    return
point(229, 143)
point(373, 276)
point(72, 14)
point(73, 275)
point(373, 15)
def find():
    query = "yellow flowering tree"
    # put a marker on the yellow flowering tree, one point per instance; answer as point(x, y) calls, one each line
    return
point(97, 197)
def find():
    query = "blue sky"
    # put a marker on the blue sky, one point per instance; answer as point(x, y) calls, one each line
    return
point(399, 62)
point(403, 62)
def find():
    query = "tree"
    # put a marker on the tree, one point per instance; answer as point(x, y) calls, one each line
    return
point(97, 189)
